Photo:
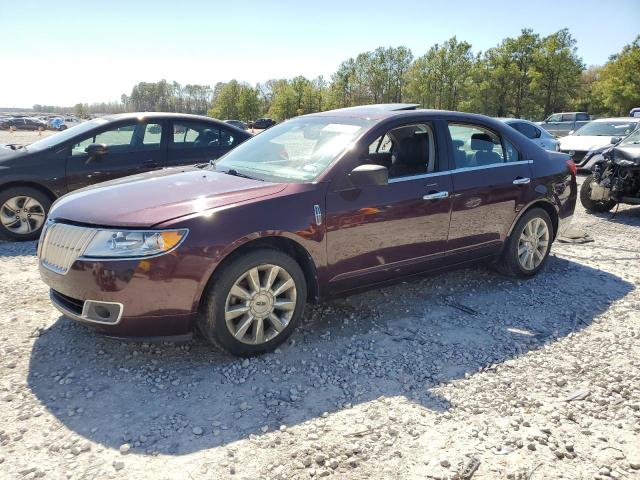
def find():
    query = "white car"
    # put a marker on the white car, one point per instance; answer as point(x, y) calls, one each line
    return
point(533, 132)
point(596, 136)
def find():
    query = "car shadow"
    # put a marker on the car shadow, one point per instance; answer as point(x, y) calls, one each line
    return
point(17, 249)
point(176, 399)
point(625, 214)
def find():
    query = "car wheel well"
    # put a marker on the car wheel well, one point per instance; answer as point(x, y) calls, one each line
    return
point(44, 190)
point(287, 246)
point(547, 207)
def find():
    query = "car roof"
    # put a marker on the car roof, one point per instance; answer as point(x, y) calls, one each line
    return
point(511, 120)
point(618, 119)
point(388, 110)
point(156, 115)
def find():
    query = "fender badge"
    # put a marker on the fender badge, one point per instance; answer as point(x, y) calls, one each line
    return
point(318, 214)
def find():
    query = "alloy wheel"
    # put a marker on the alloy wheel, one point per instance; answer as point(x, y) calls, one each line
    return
point(22, 215)
point(533, 243)
point(260, 304)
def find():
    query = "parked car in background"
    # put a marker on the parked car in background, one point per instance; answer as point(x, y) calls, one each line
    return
point(594, 137)
point(635, 112)
point(62, 123)
point(237, 123)
point(537, 135)
point(22, 123)
point(561, 124)
point(263, 123)
point(312, 208)
point(615, 177)
point(33, 176)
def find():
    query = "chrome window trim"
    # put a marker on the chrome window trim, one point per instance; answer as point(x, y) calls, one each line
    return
point(418, 177)
point(458, 170)
point(492, 165)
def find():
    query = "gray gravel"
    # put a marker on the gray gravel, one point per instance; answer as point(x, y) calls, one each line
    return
point(461, 375)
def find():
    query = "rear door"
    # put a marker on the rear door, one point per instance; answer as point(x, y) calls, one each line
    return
point(490, 185)
point(132, 147)
point(192, 141)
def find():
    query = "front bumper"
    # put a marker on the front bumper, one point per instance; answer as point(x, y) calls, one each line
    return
point(156, 297)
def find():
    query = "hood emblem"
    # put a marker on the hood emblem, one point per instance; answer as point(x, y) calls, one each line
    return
point(318, 214)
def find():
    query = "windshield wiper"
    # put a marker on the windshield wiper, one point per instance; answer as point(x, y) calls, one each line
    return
point(235, 173)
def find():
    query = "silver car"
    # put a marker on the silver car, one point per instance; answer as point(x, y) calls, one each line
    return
point(533, 132)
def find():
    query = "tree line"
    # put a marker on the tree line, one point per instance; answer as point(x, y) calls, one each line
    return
point(528, 76)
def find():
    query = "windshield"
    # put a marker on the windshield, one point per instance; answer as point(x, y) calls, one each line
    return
point(298, 150)
point(67, 134)
point(633, 139)
point(607, 129)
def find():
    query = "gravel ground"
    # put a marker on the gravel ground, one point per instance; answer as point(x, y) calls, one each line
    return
point(23, 137)
point(461, 375)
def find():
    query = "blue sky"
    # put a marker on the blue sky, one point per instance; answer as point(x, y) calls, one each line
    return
point(87, 51)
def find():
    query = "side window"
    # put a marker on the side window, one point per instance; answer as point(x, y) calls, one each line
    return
point(538, 132)
point(526, 129)
point(581, 117)
point(124, 138)
point(567, 117)
point(226, 139)
point(382, 144)
point(196, 135)
point(406, 151)
point(556, 117)
point(475, 146)
point(512, 154)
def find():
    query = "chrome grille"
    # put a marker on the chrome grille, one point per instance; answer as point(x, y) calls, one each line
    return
point(62, 244)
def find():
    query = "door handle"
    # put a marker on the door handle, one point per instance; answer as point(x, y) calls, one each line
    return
point(435, 195)
point(521, 181)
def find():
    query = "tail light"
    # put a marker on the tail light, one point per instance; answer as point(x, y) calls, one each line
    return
point(572, 166)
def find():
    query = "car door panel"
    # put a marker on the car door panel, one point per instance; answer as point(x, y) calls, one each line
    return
point(119, 161)
point(484, 205)
point(379, 232)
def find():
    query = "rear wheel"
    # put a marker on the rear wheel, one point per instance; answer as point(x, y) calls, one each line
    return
point(23, 211)
point(254, 303)
point(600, 206)
point(528, 246)
point(62, 127)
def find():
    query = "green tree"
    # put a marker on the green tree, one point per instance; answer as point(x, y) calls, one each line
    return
point(440, 78)
point(559, 71)
point(618, 85)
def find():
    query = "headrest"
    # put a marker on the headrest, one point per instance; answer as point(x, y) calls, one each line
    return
point(458, 144)
point(481, 141)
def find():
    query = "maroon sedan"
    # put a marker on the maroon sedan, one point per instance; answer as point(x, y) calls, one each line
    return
point(314, 207)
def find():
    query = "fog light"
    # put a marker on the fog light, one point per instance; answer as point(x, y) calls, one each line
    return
point(102, 312)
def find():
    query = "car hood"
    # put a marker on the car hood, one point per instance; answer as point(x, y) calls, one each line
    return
point(151, 198)
point(584, 142)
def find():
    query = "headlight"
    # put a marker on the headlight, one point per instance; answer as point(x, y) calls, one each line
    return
point(133, 243)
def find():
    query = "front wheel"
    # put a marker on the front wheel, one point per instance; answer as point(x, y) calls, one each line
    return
point(599, 206)
point(254, 303)
point(528, 246)
point(23, 211)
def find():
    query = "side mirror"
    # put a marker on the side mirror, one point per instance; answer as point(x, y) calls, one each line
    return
point(369, 174)
point(96, 150)
point(615, 140)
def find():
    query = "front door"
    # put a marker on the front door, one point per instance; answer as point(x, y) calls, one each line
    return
point(490, 185)
point(132, 147)
point(376, 233)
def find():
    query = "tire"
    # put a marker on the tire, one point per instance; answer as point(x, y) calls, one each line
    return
point(218, 297)
point(62, 127)
point(510, 262)
point(593, 205)
point(36, 215)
